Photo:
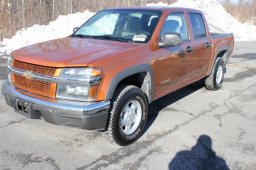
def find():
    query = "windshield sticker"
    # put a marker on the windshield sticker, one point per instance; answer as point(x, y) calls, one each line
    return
point(140, 37)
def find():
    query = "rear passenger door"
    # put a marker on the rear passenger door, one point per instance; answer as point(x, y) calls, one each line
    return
point(202, 47)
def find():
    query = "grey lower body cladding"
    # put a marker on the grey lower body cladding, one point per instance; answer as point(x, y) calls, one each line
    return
point(86, 115)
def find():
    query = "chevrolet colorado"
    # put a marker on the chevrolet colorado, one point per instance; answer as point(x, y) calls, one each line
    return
point(107, 72)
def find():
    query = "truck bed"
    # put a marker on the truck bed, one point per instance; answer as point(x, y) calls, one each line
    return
point(217, 35)
point(223, 42)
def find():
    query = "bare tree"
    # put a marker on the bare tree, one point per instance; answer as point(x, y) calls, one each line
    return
point(17, 14)
point(243, 10)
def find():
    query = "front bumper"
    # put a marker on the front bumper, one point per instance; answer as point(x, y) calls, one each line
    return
point(86, 115)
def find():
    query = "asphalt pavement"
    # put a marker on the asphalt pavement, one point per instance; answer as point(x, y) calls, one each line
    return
point(192, 128)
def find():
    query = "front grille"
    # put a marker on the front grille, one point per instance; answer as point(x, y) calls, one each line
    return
point(34, 86)
point(49, 71)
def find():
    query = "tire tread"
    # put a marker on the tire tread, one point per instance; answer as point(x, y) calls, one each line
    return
point(210, 80)
point(120, 93)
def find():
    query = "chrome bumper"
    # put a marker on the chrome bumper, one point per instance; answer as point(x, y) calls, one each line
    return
point(86, 115)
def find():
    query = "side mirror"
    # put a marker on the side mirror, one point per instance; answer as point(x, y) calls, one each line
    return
point(75, 29)
point(170, 39)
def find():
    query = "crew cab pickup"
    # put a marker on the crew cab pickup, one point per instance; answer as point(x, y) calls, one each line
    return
point(109, 70)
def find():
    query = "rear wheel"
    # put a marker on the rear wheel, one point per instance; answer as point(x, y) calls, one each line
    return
point(215, 79)
point(128, 115)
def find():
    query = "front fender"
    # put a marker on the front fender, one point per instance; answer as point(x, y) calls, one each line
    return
point(128, 72)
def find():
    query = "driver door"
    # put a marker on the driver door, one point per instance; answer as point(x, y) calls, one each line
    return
point(172, 61)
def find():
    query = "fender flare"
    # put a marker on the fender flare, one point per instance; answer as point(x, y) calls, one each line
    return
point(220, 50)
point(128, 72)
point(224, 48)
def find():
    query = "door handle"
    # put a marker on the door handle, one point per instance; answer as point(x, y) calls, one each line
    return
point(208, 45)
point(182, 53)
point(189, 49)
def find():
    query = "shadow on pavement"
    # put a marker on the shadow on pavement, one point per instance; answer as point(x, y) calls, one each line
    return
point(159, 104)
point(246, 56)
point(200, 157)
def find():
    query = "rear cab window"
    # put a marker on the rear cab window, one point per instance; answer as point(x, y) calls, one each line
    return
point(198, 26)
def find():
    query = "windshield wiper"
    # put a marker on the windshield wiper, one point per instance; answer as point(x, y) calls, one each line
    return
point(109, 37)
point(81, 36)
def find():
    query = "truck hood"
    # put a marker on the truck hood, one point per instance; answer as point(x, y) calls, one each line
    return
point(69, 52)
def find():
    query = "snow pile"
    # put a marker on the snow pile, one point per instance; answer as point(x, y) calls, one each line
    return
point(218, 19)
point(61, 27)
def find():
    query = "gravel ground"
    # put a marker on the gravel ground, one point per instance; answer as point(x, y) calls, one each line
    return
point(189, 129)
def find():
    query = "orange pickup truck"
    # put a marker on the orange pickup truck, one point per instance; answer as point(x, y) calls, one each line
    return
point(106, 73)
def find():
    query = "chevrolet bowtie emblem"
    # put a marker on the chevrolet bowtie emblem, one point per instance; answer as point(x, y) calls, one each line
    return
point(28, 74)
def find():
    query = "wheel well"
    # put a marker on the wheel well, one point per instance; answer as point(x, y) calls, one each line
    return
point(135, 79)
point(141, 80)
point(223, 54)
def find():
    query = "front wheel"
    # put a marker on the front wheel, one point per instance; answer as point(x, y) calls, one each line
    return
point(128, 115)
point(215, 79)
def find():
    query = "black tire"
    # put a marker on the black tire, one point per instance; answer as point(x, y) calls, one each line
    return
point(124, 95)
point(211, 82)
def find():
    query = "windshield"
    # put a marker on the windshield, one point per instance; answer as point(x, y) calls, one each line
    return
point(120, 25)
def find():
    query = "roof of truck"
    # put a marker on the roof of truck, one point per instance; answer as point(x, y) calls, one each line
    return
point(143, 7)
point(153, 8)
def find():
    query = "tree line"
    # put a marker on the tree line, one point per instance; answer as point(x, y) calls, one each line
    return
point(242, 10)
point(17, 14)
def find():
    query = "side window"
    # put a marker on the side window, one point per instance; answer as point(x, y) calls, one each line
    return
point(175, 23)
point(197, 25)
point(152, 23)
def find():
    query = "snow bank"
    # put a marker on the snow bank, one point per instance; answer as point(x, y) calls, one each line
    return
point(219, 21)
point(61, 27)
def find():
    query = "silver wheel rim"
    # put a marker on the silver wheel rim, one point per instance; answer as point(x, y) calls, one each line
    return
point(219, 74)
point(130, 117)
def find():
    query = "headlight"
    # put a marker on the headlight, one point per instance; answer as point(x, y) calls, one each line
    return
point(72, 92)
point(86, 92)
point(83, 74)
